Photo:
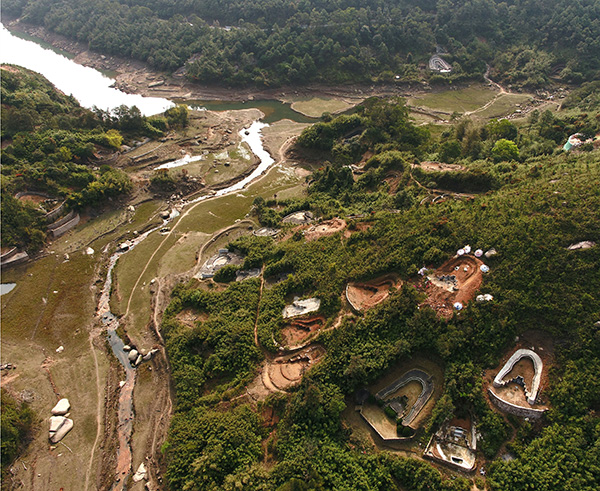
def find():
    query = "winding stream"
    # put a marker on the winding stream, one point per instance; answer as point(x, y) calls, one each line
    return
point(252, 136)
point(92, 88)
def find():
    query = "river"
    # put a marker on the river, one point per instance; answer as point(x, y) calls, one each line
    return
point(93, 88)
point(88, 86)
point(252, 136)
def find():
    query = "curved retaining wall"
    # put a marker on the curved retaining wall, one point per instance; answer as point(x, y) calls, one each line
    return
point(18, 258)
point(51, 215)
point(9, 254)
point(537, 376)
point(59, 230)
point(523, 412)
point(62, 221)
point(54, 214)
point(411, 376)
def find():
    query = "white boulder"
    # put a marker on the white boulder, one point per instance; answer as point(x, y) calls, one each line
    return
point(55, 423)
point(62, 407)
point(62, 431)
point(140, 474)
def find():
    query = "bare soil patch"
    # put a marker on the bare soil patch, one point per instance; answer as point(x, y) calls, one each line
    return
point(363, 296)
point(442, 294)
point(33, 198)
point(286, 371)
point(357, 227)
point(324, 229)
point(438, 167)
point(189, 317)
point(300, 330)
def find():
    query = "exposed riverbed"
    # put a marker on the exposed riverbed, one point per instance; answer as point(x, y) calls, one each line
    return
point(92, 88)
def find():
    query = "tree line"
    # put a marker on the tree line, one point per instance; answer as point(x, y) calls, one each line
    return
point(277, 42)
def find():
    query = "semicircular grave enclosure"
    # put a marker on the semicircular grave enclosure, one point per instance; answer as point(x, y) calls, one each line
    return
point(213, 264)
point(324, 229)
point(288, 370)
point(365, 295)
point(299, 218)
point(457, 280)
point(299, 330)
point(516, 386)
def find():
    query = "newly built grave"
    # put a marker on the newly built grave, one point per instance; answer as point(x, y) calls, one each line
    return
point(324, 229)
point(454, 444)
point(516, 386)
point(301, 307)
point(286, 371)
point(455, 282)
point(404, 398)
point(300, 330)
point(299, 218)
point(223, 258)
point(365, 295)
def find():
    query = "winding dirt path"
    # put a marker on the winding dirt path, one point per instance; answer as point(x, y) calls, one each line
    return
point(502, 91)
point(98, 414)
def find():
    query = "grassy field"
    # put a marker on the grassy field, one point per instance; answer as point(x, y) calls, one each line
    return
point(314, 107)
point(504, 105)
point(461, 100)
point(177, 252)
point(51, 306)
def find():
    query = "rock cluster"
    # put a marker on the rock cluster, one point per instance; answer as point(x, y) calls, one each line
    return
point(60, 424)
point(137, 357)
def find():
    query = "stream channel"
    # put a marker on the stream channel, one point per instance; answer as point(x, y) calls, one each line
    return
point(92, 88)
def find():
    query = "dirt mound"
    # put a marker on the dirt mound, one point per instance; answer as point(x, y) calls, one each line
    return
point(286, 371)
point(457, 280)
point(189, 317)
point(363, 296)
point(324, 229)
point(439, 167)
point(301, 329)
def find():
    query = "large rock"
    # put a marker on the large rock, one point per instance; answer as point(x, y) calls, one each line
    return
point(133, 354)
point(140, 474)
point(62, 407)
point(55, 423)
point(62, 431)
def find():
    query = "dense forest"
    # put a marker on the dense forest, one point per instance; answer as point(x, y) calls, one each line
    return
point(51, 144)
point(278, 42)
point(529, 200)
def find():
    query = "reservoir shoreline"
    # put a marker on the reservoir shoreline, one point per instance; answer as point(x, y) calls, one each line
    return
point(136, 77)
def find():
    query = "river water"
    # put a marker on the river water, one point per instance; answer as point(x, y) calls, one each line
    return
point(252, 136)
point(92, 88)
point(88, 86)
